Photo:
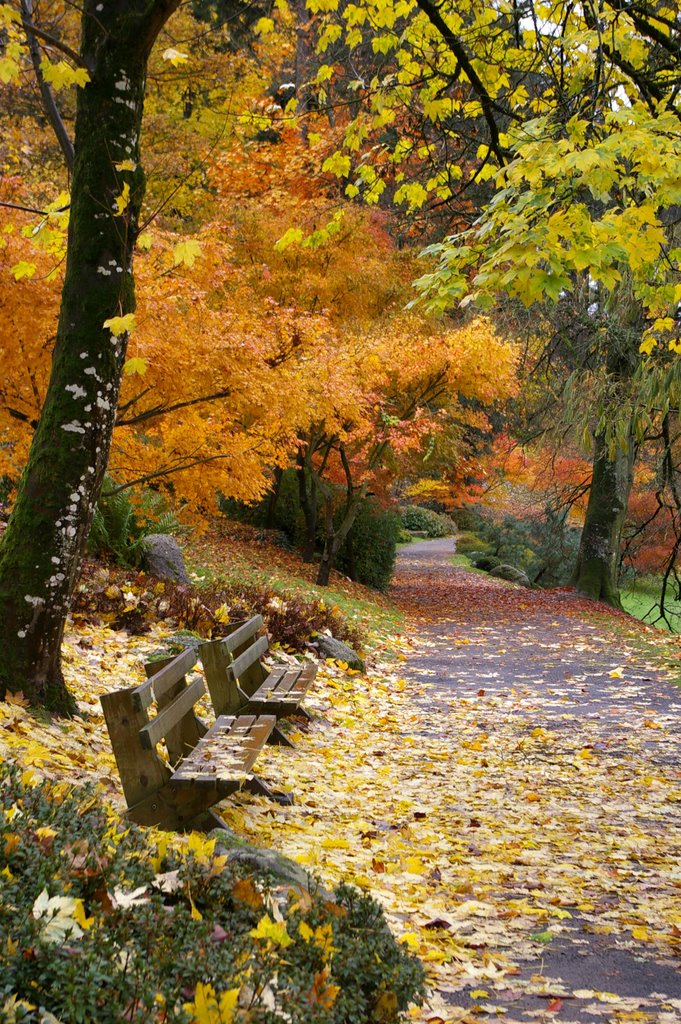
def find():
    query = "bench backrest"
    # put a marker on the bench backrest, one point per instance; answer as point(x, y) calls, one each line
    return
point(232, 665)
point(134, 735)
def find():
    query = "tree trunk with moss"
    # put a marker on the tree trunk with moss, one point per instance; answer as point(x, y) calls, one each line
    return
point(47, 531)
point(597, 568)
point(597, 565)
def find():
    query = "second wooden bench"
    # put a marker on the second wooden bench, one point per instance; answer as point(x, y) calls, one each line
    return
point(239, 683)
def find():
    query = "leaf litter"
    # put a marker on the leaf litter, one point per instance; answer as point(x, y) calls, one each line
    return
point(496, 819)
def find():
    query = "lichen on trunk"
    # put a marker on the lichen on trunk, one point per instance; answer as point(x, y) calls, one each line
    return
point(47, 531)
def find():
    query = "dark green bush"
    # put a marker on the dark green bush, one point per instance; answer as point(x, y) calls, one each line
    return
point(486, 562)
point(468, 543)
point(423, 520)
point(100, 922)
point(467, 518)
point(543, 547)
point(369, 554)
point(286, 515)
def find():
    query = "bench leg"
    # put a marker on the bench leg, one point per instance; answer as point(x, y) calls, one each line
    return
point(259, 788)
point(207, 822)
point(304, 713)
point(279, 738)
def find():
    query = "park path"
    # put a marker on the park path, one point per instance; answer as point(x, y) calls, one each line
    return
point(576, 802)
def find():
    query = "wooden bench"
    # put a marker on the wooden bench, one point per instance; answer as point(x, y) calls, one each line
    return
point(238, 682)
point(204, 765)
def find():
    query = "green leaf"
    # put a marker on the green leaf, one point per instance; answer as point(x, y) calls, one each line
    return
point(338, 164)
point(290, 237)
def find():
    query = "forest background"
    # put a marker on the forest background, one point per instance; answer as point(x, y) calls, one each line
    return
point(277, 171)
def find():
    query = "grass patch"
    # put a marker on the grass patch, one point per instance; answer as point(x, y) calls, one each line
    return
point(642, 601)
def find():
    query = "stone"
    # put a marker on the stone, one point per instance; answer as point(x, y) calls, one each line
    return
point(163, 558)
point(261, 861)
point(510, 573)
point(329, 647)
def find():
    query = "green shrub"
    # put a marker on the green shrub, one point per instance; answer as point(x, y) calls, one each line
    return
point(373, 539)
point(485, 562)
point(468, 543)
point(543, 547)
point(423, 520)
point(119, 527)
point(467, 518)
point(287, 516)
point(102, 922)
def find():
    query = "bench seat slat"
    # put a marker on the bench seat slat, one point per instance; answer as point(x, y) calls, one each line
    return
point(249, 657)
point(158, 684)
point(293, 684)
point(158, 727)
point(227, 751)
point(278, 683)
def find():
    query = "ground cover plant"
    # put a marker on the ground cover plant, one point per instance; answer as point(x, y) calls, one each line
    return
point(106, 922)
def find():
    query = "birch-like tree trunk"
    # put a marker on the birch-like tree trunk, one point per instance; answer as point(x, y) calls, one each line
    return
point(44, 542)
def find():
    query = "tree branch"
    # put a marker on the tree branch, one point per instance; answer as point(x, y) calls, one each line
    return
point(47, 96)
point(489, 105)
point(161, 410)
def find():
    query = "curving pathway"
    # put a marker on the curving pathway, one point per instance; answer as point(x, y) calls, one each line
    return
point(576, 801)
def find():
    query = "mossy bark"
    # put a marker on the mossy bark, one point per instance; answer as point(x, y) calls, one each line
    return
point(46, 535)
point(596, 571)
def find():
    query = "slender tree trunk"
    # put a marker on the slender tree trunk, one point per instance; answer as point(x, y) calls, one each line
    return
point(597, 565)
point(46, 535)
point(307, 495)
point(334, 538)
point(273, 498)
point(597, 568)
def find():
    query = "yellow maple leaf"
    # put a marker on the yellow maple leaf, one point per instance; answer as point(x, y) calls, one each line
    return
point(185, 253)
point(272, 931)
point(120, 325)
point(210, 1008)
point(62, 75)
point(135, 365)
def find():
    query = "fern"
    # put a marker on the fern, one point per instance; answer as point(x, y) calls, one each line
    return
point(119, 533)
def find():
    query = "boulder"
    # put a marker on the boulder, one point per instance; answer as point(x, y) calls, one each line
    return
point(264, 862)
point(329, 647)
point(510, 573)
point(163, 558)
